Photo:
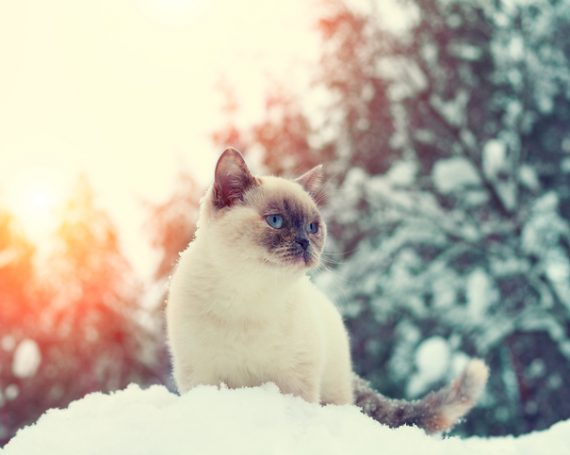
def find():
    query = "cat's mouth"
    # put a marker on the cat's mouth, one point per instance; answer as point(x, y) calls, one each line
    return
point(307, 257)
point(303, 258)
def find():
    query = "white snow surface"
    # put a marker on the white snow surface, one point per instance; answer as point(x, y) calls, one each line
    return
point(260, 420)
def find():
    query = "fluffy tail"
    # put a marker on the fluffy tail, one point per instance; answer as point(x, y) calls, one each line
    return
point(438, 411)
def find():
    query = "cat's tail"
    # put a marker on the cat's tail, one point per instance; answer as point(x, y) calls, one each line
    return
point(436, 412)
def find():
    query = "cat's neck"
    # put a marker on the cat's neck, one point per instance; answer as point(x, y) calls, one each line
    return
point(240, 284)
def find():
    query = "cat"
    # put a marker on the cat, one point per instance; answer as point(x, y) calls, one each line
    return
point(242, 311)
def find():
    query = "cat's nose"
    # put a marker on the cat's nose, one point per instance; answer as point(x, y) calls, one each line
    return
point(303, 242)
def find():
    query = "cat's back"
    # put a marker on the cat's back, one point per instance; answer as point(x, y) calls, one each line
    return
point(185, 273)
point(191, 284)
point(192, 273)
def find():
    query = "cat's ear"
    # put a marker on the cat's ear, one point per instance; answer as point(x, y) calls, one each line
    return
point(232, 179)
point(312, 182)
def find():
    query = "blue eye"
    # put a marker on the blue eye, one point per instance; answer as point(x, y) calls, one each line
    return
point(275, 221)
point(313, 228)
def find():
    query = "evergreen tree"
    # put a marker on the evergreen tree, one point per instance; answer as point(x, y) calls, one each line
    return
point(447, 148)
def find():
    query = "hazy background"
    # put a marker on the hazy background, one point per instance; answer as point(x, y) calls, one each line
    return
point(127, 92)
point(444, 129)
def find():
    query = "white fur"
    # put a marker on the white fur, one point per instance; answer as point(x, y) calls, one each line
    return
point(236, 319)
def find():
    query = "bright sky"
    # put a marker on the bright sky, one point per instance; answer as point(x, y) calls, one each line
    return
point(125, 91)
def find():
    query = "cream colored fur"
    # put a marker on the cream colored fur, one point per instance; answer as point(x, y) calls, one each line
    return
point(236, 317)
point(242, 311)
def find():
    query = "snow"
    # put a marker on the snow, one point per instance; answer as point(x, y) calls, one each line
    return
point(432, 362)
point(453, 110)
point(403, 173)
point(528, 177)
point(466, 51)
point(432, 358)
point(494, 157)
point(260, 420)
point(8, 342)
point(480, 294)
point(454, 173)
point(458, 363)
point(444, 291)
point(544, 226)
point(27, 359)
point(11, 392)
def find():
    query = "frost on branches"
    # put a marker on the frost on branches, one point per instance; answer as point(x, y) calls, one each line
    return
point(448, 152)
point(465, 238)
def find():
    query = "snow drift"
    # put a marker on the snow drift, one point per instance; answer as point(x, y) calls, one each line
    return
point(259, 420)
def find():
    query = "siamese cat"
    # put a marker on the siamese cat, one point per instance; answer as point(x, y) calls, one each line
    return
point(242, 311)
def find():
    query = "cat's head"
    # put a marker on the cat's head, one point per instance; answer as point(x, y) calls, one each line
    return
point(271, 220)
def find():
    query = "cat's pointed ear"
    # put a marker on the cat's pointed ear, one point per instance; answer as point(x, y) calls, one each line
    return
point(232, 179)
point(312, 181)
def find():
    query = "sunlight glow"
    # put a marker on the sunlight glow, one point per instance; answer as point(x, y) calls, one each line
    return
point(172, 11)
point(34, 196)
point(128, 93)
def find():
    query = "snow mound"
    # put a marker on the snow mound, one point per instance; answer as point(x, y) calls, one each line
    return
point(260, 420)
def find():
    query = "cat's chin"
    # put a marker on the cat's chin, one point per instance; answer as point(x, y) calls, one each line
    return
point(294, 264)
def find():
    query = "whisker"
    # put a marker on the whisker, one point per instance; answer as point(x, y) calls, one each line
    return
point(343, 253)
point(322, 267)
point(330, 261)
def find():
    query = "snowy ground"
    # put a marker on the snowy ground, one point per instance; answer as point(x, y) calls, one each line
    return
point(245, 421)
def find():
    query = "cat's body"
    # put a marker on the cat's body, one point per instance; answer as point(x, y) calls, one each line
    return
point(243, 322)
point(242, 312)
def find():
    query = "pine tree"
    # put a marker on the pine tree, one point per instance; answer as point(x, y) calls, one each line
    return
point(447, 152)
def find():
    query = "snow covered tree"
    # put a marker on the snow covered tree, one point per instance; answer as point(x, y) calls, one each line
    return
point(448, 153)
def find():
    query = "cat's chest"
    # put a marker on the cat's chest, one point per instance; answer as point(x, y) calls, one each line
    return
point(251, 323)
point(234, 320)
point(246, 345)
point(242, 306)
